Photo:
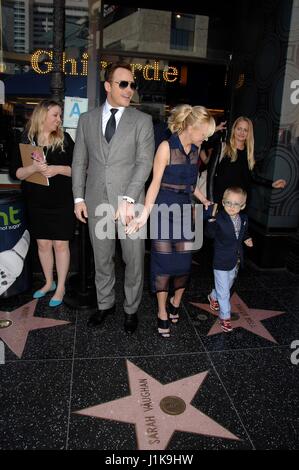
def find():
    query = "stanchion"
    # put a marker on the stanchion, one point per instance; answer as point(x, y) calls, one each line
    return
point(80, 290)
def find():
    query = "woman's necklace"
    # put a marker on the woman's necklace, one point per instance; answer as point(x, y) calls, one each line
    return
point(46, 153)
point(42, 143)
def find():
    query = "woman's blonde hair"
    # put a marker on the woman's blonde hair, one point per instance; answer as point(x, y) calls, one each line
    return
point(185, 115)
point(35, 125)
point(231, 149)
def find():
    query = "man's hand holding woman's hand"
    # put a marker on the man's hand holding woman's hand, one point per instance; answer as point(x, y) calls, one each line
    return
point(125, 212)
point(136, 224)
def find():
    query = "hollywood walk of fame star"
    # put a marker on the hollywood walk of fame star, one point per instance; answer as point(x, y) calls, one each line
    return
point(19, 322)
point(158, 410)
point(248, 318)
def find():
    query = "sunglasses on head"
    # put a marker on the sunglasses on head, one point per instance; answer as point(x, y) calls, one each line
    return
point(124, 84)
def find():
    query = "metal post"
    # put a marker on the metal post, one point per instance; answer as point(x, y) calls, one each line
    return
point(93, 83)
point(81, 291)
point(57, 78)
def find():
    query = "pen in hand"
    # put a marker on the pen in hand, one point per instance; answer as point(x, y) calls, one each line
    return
point(37, 157)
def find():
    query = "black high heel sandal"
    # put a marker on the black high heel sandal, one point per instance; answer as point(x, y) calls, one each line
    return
point(162, 326)
point(173, 312)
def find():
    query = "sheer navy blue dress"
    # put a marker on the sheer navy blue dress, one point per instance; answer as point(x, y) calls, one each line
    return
point(172, 220)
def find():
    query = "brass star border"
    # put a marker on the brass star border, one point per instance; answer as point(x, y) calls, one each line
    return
point(159, 410)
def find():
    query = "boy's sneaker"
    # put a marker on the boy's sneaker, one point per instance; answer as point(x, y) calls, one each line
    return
point(214, 305)
point(226, 325)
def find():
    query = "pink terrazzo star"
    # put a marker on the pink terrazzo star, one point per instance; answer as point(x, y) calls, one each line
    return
point(155, 427)
point(22, 321)
point(249, 318)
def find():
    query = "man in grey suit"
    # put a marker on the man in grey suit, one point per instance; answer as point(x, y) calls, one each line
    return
point(112, 160)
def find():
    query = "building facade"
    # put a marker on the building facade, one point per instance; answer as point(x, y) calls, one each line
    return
point(234, 57)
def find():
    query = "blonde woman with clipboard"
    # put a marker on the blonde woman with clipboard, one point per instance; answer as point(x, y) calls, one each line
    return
point(50, 208)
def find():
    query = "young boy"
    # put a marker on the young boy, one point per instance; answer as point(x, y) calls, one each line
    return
point(229, 230)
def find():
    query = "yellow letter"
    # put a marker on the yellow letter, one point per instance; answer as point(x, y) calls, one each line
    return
point(35, 59)
point(84, 63)
point(69, 61)
point(145, 71)
point(174, 74)
point(134, 67)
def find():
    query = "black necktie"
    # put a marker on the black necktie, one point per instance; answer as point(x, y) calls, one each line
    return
point(111, 125)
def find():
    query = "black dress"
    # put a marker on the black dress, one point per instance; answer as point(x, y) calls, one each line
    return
point(50, 208)
point(238, 174)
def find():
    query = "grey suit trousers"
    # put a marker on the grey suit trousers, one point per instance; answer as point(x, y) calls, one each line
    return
point(104, 253)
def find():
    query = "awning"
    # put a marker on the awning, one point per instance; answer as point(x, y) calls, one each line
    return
point(31, 84)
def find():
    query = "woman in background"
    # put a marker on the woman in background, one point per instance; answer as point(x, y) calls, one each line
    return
point(236, 168)
point(50, 208)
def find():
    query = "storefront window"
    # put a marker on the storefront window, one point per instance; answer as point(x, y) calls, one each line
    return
point(176, 57)
point(182, 31)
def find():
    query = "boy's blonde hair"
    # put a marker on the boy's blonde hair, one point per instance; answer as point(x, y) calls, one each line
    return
point(235, 190)
point(185, 115)
point(231, 149)
point(36, 124)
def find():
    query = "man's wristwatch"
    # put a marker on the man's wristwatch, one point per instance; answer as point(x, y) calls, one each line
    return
point(128, 199)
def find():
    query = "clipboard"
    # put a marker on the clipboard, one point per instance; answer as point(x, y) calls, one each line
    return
point(27, 151)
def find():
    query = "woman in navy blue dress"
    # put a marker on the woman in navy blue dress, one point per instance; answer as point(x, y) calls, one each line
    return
point(169, 195)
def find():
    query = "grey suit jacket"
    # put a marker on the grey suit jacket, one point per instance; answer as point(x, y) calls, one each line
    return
point(128, 163)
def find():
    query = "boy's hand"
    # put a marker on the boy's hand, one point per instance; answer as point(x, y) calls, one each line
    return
point(249, 242)
point(206, 203)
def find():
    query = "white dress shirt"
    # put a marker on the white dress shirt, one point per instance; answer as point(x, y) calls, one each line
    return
point(105, 118)
point(107, 114)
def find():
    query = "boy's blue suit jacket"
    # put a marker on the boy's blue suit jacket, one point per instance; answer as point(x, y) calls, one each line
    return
point(227, 248)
